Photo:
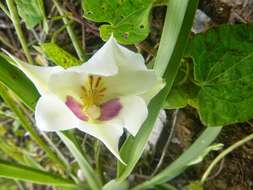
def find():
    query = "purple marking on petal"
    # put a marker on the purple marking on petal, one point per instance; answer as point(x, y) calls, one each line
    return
point(76, 108)
point(110, 109)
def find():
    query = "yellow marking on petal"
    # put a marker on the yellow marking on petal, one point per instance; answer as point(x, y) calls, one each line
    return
point(92, 91)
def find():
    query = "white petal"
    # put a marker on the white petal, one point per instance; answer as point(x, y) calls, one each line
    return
point(51, 114)
point(147, 96)
point(130, 83)
point(107, 132)
point(134, 112)
point(37, 74)
point(103, 62)
point(67, 83)
point(128, 59)
point(111, 57)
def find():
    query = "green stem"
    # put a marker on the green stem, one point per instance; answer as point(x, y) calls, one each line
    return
point(92, 179)
point(4, 93)
point(5, 10)
point(98, 160)
point(223, 154)
point(77, 45)
point(16, 22)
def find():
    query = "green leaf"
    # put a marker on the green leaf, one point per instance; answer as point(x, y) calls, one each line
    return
point(182, 96)
point(32, 11)
point(128, 20)
point(195, 185)
point(165, 187)
point(8, 184)
point(167, 63)
point(74, 148)
point(16, 80)
point(20, 172)
point(59, 56)
point(115, 185)
point(223, 65)
point(184, 92)
point(179, 165)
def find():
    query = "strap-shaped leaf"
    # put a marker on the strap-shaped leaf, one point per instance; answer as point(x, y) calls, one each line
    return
point(15, 79)
point(174, 169)
point(180, 14)
point(20, 172)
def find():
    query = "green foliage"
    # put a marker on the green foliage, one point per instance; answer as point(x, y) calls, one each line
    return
point(195, 185)
point(69, 140)
point(114, 185)
point(59, 56)
point(31, 11)
point(18, 83)
point(190, 155)
point(184, 91)
point(222, 88)
point(223, 65)
point(20, 172)
point(167, 64)
point(6, 184)
point(128, 20)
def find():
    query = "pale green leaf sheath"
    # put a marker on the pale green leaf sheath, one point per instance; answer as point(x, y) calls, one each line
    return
point(101, 97)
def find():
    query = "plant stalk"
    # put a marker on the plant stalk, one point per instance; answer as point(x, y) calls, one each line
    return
point(16, 22)
point(77, 45)
point(223, 154)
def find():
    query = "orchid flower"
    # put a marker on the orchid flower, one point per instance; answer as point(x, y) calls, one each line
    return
point(100, 97)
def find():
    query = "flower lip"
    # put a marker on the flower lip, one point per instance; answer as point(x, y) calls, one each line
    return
point(76, 108)
point(110, 109)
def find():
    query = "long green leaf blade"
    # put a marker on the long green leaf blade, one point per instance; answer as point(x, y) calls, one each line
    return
point(87, 170)
point(178, 22)
point(15, 79)
point(196, 149)
point(20, 172)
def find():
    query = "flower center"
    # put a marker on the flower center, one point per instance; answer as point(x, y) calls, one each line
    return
point(93, 91)
point(91, 107)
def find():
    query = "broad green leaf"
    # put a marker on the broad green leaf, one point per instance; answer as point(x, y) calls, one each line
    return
point(181, 96)
point(31, 11)
point(128, 20)
point(20, 172)
point(184, 92)
point(15, 79)
point(59, 56)
point(223, 66)
point(179, 165)
point(167, 63)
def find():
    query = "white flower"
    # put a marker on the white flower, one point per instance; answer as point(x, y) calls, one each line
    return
point(100, 97)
